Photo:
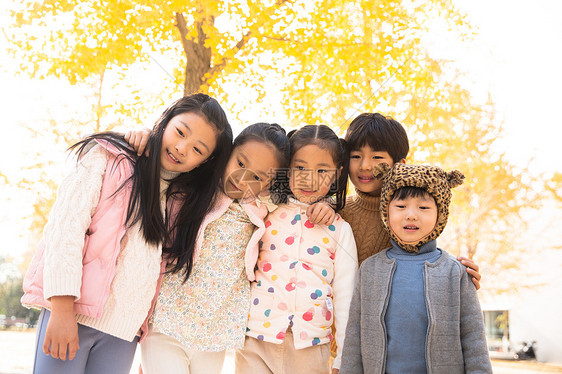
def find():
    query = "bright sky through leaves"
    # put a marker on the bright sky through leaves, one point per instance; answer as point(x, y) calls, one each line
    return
point(516, 57)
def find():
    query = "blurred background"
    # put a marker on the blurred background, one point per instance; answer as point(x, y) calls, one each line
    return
point(475, 83)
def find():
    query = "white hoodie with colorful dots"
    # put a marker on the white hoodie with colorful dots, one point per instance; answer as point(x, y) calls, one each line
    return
point(304, 279)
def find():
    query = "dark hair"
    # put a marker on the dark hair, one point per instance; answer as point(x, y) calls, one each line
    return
point(383, 134)
point(268, 133)
point(409, 191)
point(325, 138)
point(198, 190)
point(144, 202)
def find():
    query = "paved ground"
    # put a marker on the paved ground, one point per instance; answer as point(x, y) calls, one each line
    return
point(524, 367)
point(17, 350)
point(16, 357)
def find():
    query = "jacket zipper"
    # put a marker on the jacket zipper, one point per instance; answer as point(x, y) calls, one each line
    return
point(383, 314)
point(429, 319)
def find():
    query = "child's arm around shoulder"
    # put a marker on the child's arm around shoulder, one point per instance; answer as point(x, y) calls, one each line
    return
point(138, 139)
point(345, 274)
point(472, 269)
point(321, 213)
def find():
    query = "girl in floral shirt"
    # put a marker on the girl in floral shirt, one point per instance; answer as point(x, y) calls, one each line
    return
point(305, 272)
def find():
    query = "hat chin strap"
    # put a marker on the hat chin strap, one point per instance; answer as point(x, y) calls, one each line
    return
point(414, 247)
point(407, 246)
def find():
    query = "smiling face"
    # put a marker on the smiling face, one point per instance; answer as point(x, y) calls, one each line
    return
point(361, 165)
point(187, 142)
point(312, 172)
point(250, 170)
point(412, 218)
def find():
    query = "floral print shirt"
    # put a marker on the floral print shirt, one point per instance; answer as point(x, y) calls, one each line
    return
point(209, 312)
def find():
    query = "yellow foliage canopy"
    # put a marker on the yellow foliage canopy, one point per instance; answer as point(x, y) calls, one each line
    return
point(331, 56)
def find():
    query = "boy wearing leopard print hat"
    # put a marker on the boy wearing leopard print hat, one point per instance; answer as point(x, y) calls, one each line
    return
point(414, 309)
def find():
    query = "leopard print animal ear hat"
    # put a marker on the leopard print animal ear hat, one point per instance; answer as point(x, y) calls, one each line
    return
point(434, 180)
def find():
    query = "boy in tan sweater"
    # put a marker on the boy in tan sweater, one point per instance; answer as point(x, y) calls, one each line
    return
point(373, 139)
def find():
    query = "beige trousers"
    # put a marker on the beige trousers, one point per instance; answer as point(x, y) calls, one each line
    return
point(259, 357)
point(162, 354)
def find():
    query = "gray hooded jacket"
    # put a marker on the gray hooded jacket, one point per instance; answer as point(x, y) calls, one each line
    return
point(455, 343)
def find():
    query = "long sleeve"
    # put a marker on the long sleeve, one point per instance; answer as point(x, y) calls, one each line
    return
point(473, 338)
point(352, 361)
point(70, 217)
point(344, 280)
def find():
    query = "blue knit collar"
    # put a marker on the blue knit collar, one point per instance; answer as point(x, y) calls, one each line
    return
point(426, 248)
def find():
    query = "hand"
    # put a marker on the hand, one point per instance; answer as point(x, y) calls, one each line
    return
point(335, 371)
point(138, 140)
point(471, 269)
point(62, 329)
point(321, 213)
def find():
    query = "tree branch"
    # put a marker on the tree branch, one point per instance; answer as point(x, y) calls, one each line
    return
point(234, 50)
point(240, 44)
point(182, 27)
point(198, 56)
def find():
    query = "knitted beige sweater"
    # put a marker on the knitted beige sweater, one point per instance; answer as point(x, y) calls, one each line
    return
point(138, 264)
point(362, 213)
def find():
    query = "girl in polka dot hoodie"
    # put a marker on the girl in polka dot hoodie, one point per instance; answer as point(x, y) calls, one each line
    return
point(305, 272)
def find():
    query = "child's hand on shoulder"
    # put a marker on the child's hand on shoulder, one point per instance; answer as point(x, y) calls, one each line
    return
point(321, 213)
point(472, 269)
point(138, 140)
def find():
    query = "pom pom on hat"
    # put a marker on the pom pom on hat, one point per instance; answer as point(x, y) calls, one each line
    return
point(455, 178)
point(381, 170)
